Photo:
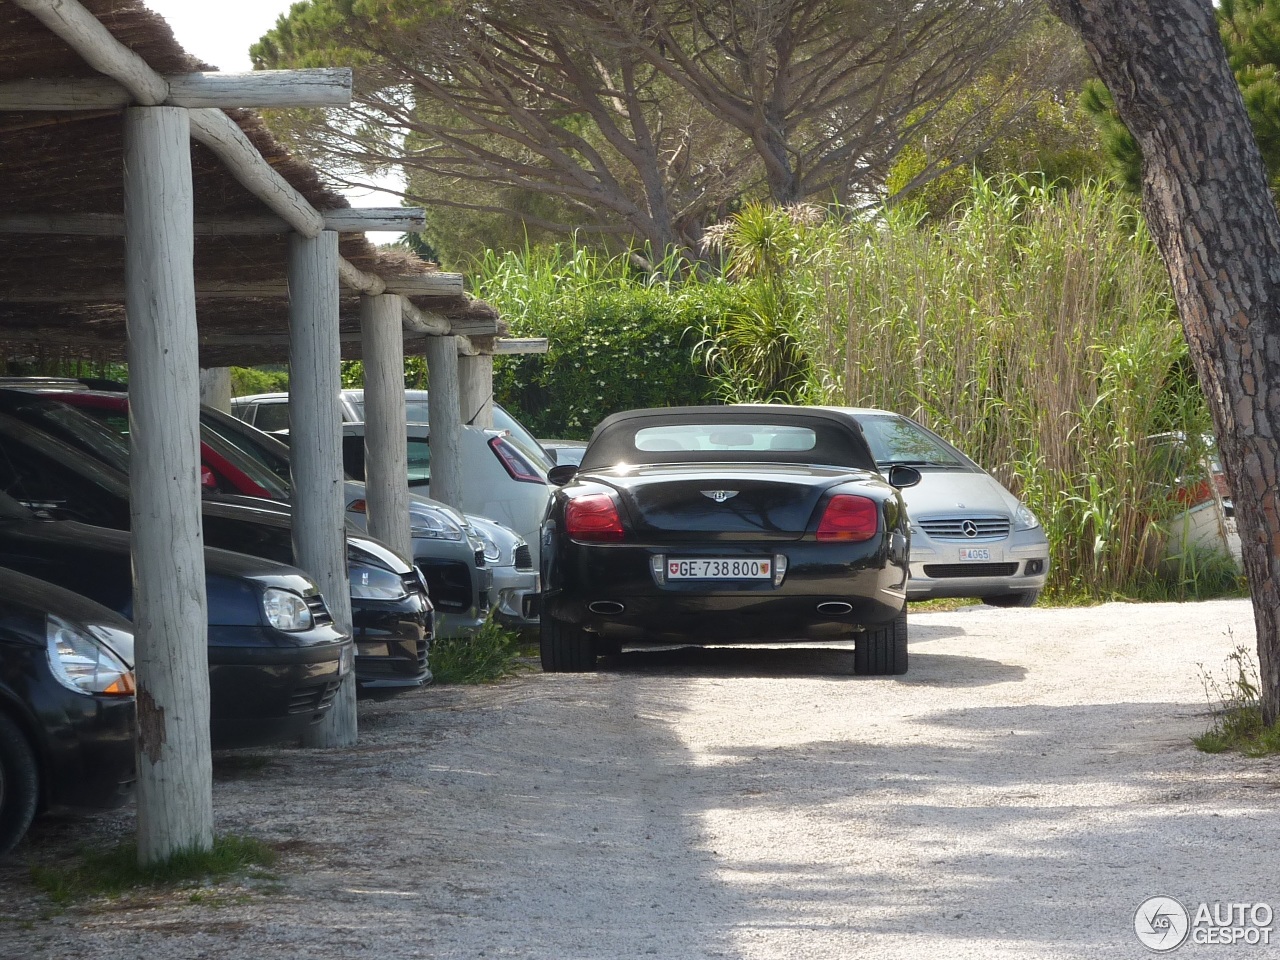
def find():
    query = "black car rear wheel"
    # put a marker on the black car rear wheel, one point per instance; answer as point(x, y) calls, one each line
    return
point(882, 650)
point(19, 785)
point(1023, 598)
point(565, 647)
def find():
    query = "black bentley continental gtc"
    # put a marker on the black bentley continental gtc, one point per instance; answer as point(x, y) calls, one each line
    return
point(742, 524)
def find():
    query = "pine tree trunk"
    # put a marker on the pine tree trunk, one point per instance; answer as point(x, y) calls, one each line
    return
point(1207, 201)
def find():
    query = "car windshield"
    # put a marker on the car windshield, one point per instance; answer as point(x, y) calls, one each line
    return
point(897, 440)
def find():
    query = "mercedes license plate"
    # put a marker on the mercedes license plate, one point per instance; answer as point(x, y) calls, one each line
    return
point(975, 553)
point(718, 568)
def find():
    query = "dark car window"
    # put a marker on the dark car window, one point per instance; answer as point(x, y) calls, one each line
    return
point(895, 439)
point(74, 427)
point(272, 416)
point(249, 440)
point(419, 462)
point(40, 482)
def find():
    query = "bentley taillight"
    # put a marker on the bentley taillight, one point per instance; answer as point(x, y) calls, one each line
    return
point(593, 518)
point(849, 518)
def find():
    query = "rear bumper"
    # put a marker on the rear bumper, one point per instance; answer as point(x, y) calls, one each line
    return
point(612, 591)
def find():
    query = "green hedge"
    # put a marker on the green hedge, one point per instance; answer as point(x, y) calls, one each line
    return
point(615, 344)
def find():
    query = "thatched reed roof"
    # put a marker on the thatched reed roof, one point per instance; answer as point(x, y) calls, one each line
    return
point(71, 163)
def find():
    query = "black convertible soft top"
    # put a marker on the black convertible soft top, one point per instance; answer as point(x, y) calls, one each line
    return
point(835, 439)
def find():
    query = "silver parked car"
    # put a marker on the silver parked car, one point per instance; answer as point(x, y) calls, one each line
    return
point(970, 537)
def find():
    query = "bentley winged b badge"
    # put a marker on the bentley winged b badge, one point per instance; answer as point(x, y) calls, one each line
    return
point(719, 496)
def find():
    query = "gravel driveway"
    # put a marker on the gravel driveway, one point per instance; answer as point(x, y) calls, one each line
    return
point(1018, 794)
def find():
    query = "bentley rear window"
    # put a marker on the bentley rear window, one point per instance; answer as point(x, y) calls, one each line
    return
point(727, 435)
point(725, 438)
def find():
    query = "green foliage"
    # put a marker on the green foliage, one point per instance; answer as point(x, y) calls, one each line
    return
point(619, 338)
point(483, 656)
point(1250, 31)
point(247, 380)
point(1022, 115)
point(1036, 330)
point(1237, 710)
point(115, 871)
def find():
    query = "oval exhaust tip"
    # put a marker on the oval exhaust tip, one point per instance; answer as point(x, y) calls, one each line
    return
point(835, 607)
point(608, 608)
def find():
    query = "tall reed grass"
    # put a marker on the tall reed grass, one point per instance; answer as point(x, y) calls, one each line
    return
point(1037, 330)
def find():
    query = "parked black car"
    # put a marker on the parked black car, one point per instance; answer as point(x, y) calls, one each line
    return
point(275, 657)
point(66, 703)
point(391, 613)
point(726, 524)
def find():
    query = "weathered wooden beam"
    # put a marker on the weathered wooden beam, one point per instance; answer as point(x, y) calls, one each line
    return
point(170, 615)
point(423, 322)
point(224, 137)
point(352, 220)
point(368, 219)
point(508, 346)
point(437, 284)
point(325, 87)
point(478, 327)
point(222, 290)
point(352, 276)
point(315, 365)
point(88, 37)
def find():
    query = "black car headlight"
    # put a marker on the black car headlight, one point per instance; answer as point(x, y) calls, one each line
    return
point(84, 665)
point(286, 610)
point(373, 583)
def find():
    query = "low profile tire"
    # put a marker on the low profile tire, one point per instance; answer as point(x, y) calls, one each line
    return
point(1023, 598)
point(19, 785)
point(882, 651)
point(565, 648)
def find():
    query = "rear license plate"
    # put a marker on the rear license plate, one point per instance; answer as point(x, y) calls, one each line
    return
point(975, 553)
point(718, 568)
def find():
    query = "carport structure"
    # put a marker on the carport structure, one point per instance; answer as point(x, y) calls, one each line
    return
point(135, 183)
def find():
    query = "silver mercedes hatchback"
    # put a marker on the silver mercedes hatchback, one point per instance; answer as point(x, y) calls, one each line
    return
point(970, 537)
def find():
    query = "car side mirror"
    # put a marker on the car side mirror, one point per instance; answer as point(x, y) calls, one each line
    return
point(562, 474)
point(901, 476)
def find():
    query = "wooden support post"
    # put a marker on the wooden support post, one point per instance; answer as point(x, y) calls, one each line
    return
point(175, 774)
point(475, 386)
point(445, 413)
point(315, 377)
point(386, 463)
point(215, 388)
